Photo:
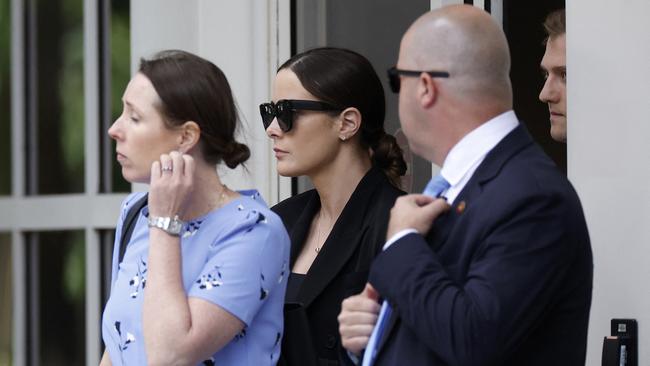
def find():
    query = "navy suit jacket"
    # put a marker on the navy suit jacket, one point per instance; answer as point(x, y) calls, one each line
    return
point(503, 278)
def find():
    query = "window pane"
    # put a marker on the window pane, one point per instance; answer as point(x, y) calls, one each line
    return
point(59, 97)
point(117, 56)
point(58, 297)
point(5, 299)
point(107, 240)
point(377, 37)
point(5, 99)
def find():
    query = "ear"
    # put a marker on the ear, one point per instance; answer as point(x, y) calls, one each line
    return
point(350, 123)
point(189, 136)
point(427, 90)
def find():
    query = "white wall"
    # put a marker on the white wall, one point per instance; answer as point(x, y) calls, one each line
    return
point(608, 58)
point(246, 39)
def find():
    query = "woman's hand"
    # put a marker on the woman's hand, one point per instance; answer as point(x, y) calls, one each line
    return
point(172, 179)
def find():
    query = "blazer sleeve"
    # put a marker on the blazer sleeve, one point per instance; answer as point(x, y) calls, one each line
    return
point(519, 264)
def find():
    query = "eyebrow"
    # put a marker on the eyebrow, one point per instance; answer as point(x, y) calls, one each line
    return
point(553, 69)
point(132, 106)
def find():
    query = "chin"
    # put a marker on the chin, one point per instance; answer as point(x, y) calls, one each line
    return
point(559, 136)
point(286, 170)
point(132, 177)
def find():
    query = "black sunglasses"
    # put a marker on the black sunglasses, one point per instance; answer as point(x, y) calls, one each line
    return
point(283, 110)
point(394, 73)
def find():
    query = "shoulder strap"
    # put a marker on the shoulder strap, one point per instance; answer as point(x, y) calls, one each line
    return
point(129, 224)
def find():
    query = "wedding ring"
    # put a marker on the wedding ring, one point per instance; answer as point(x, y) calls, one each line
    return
point(167, 168)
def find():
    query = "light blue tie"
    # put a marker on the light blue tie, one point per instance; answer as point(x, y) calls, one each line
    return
point(434, 188)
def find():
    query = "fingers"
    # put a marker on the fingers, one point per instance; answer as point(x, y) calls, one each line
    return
point(360, 303)
point(166, 165)
point(177, 162)
point(357, 319)
point(176, 165)
point(354, 322)
point(355, 344)
point(414, 200)
point(415, 211)
point(188, 163)
point(155, 171)
point(422, 199)
point(436, 207)
point(370, 292)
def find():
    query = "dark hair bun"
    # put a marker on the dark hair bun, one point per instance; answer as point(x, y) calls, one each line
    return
point(387, 155)
point(235, 154)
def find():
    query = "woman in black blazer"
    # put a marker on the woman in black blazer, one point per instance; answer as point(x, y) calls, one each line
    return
point(327, 123)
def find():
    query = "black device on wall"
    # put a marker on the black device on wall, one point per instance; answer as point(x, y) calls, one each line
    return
point(621, 347)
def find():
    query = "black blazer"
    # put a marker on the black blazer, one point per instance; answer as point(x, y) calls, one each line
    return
point(504, 278)
point(311, 335)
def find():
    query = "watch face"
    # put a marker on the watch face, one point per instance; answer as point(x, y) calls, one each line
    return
point(167, 224)
point(175, 227)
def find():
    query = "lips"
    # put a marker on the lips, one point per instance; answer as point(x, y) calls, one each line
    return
point(120, 157)
point(279, 152)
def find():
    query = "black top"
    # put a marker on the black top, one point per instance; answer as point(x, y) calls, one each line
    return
point(341, 268)
point(293, 286)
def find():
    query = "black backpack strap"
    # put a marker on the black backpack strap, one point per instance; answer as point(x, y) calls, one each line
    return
point(129, 224)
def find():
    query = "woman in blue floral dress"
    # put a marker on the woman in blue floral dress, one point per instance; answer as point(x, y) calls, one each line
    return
point(203, 278)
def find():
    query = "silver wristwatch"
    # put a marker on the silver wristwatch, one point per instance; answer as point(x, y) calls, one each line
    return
point(172, 226)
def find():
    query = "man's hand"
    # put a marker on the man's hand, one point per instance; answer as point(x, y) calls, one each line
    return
point(357, 319)
point(415, 211)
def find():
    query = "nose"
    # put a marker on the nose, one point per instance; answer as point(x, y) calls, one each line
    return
point(548, 93)
point(114, 131)
point(274, 131)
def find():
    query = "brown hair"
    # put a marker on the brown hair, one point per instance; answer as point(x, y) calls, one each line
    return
point(194, 89)
point(345, 79)
point(555, 24)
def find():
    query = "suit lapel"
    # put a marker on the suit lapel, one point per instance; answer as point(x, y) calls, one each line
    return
point(345, 237)
point(512, 143)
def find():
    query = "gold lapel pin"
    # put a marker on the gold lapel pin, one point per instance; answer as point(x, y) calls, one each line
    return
point(461, 207)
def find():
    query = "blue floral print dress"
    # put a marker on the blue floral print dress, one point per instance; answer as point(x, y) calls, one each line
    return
point(235, 257)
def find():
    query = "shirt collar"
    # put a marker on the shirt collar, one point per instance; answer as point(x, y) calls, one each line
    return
point(475, 145)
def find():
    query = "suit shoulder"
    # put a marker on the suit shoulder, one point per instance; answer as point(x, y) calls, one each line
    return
point(532, 175)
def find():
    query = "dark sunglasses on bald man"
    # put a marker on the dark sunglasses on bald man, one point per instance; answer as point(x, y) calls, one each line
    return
point(394, 76)
point(283, 110)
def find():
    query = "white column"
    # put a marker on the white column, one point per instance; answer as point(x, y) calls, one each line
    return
point(608, 58)
point(19, 297)
point(91, 165)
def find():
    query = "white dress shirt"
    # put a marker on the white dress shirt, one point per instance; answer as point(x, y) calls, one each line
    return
point(466, 156)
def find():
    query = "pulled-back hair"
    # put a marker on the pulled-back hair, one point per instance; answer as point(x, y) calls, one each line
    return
point(194, 89)
point(345, 79)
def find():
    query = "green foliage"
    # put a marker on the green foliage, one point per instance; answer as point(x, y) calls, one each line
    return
point(74, 275)
point(72, 99)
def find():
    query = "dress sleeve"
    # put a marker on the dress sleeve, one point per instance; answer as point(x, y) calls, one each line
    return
point(245, 265)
